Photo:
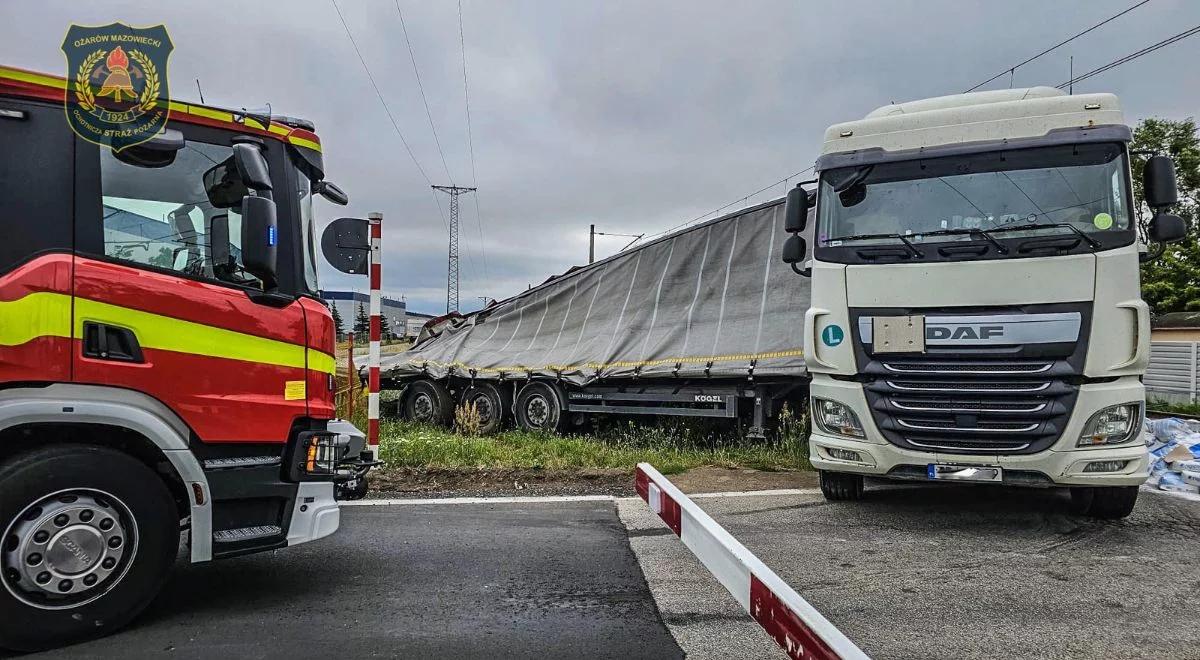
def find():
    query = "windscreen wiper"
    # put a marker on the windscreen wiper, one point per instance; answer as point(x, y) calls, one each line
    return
point(900, 237)
point(973, 232)
point(1095, 245)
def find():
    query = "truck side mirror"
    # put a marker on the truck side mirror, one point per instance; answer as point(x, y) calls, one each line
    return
point(1167, 227)
point(795, 211)
point(1158, 181)
point(252, 167)
point(346, 245)
point(260, 239)
point(794, 250)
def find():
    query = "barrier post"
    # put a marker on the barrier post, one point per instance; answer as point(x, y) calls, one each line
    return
point(376, 221)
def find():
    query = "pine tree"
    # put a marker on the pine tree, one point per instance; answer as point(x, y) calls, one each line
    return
point(385, 328)
point(339, 326)
point(362, 324)
point(1171, 283)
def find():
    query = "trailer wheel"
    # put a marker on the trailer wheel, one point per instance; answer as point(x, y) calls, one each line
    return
point(1106, 502)
point(491, 404)
point(89, 535)
point(428, 402)
point(841, 486)
point(539, 408)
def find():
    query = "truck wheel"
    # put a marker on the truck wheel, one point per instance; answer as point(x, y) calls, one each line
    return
point(428, 402)
point(841, 486)
point(1107, 502)
point(539, 408)
point(89, 535)
point(490, 404)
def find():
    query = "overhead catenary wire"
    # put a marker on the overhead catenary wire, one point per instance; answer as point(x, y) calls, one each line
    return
point(421, 88)
point(387, 109)
point(1012, 69)
point(1132, 56)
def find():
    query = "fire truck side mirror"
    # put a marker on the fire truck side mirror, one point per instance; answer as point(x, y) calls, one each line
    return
point(252, 166)
point(346, 245)
point(260, 239)
point(331, 192)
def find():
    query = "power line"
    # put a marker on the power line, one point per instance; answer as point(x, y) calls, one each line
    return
point(1132, 56)
point(386, 108)
point(740, 199)
point(1012, 69)
point(412, 56)
point(462, 42)
point(383, 102)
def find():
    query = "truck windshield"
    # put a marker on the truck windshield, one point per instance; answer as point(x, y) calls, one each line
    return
point(305, 199)
point(1071, 189)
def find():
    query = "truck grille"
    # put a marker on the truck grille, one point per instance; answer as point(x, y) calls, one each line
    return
point(970, 406)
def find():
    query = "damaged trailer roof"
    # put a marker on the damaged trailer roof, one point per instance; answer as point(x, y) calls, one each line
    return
point(711, 300)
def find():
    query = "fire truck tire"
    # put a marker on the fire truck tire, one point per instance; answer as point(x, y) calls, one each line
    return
point(841, 486)
point(428, 402)
point(539, 408)
point(491, 404)
point(89, 536)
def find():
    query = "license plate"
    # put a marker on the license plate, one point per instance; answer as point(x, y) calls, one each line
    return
point(943, 472)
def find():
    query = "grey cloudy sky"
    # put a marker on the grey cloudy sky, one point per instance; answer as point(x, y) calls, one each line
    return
point(635, 115)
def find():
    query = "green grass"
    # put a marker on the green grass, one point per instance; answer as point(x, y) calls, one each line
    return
point(1169, 407)
point(671, 447)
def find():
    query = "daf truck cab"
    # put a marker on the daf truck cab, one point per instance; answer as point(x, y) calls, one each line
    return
point(166, 363)
point(976, 311)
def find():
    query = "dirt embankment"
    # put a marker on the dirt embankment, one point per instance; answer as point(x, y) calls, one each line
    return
point(429, 482)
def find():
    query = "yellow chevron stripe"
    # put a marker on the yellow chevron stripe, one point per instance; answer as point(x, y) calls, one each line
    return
point(49, 314)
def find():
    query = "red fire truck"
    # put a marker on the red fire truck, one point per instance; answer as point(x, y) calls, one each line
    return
point(166, 364)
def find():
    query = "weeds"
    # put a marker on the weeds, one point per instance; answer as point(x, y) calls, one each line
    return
point(466, 419)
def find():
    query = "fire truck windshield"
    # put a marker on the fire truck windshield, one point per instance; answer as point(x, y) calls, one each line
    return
point(305, 200)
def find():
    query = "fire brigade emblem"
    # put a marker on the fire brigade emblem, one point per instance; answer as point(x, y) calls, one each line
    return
point(117, 93)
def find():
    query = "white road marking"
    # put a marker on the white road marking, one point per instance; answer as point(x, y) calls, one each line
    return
point(546, 499)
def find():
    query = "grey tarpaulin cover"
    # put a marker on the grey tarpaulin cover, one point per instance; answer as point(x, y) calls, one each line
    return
point(714, 296)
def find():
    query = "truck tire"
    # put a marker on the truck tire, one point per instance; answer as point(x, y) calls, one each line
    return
point(428, 402)
point(841, 486)
point(539, 408)
point(89, 536)
point(491, 404)
point(1105, 502)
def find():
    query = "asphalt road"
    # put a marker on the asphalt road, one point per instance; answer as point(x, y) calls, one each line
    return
point(415, 581)
point(914, 571)
point(926, 571)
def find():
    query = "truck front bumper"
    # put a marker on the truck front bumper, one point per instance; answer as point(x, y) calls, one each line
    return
point(1062, 464)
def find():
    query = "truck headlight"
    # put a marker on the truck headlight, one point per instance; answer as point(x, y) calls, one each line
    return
point(836, 419)
point(1113, 425)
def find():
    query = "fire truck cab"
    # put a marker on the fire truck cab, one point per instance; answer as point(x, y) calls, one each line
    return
point(166, 363)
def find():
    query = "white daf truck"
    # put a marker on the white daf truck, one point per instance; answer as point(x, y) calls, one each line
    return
point(976, 311)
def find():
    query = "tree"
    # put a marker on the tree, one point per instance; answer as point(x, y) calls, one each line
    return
point(1171, 283)
point(385, 328)
point(339, 326)
point(362, 324)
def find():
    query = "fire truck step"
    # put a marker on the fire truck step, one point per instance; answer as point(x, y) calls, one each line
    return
point(246, 533)
point(241, 462)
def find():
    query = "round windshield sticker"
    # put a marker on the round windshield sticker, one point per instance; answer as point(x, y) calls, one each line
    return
point(1102, 221)
point(832, 335)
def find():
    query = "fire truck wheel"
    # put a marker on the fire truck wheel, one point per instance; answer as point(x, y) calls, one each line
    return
point(490, 404)
point(428, 402)
point(539, 408)
point(841, 486)
point(89, 535)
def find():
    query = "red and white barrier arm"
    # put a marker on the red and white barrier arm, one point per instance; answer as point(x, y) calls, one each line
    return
point(796, 626)
point(375, 220)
